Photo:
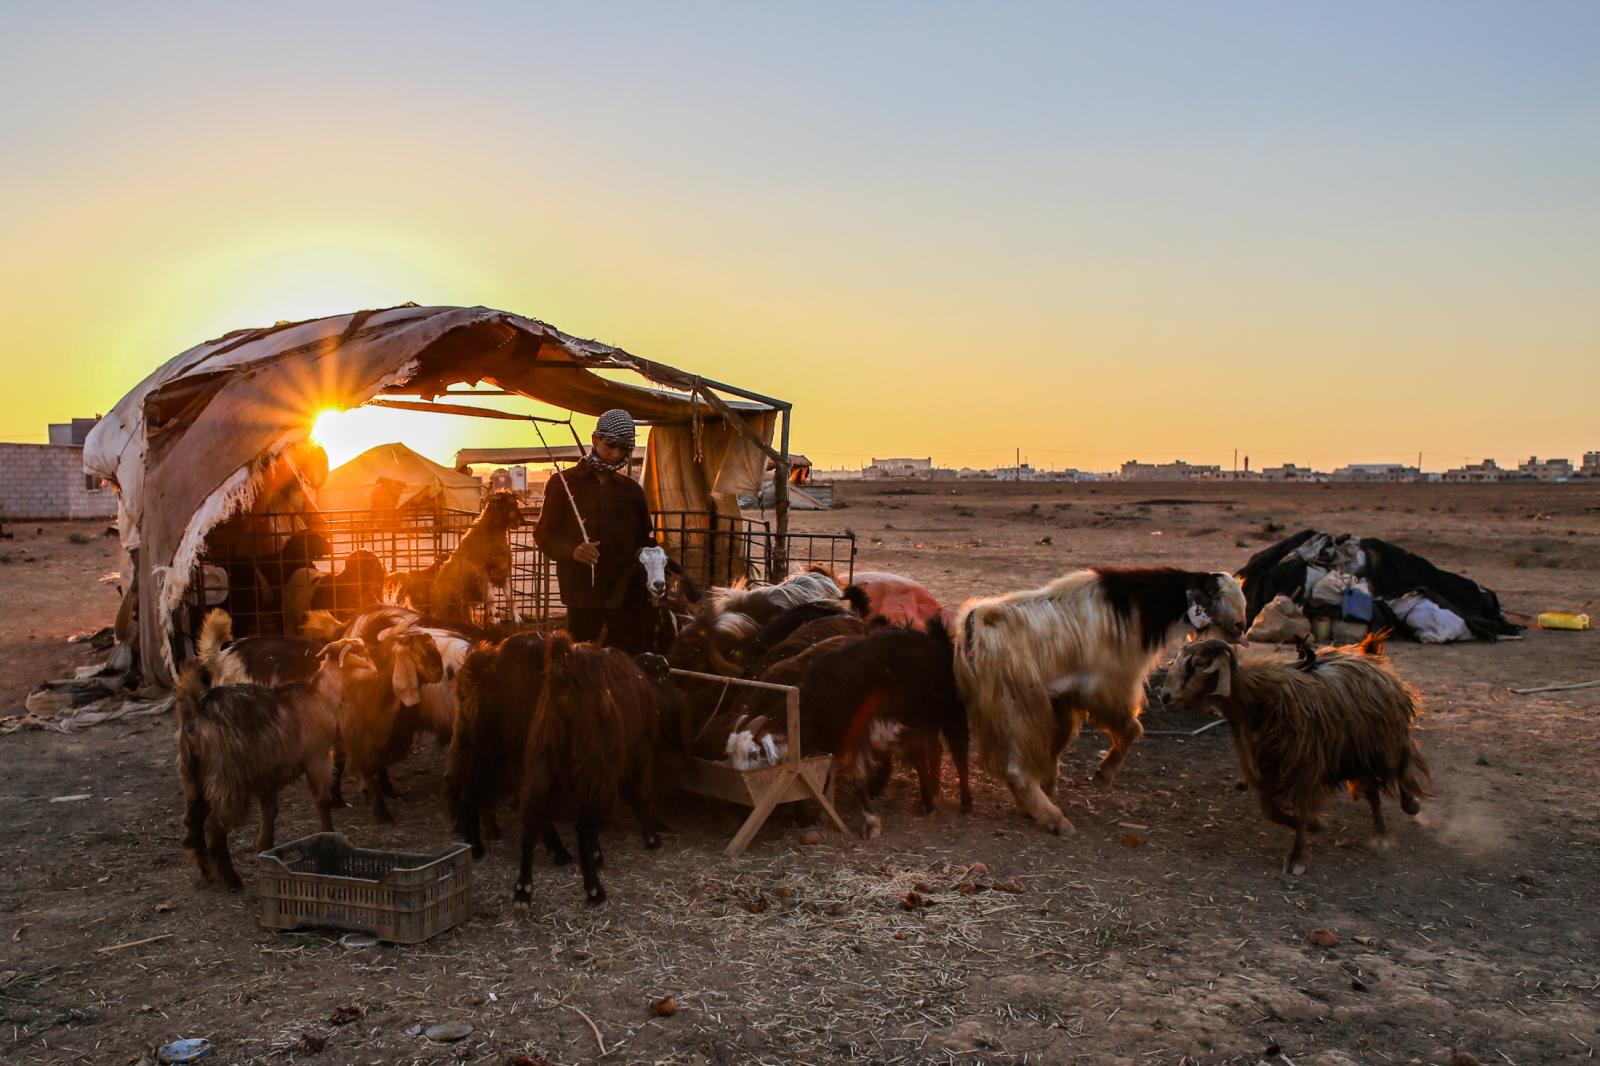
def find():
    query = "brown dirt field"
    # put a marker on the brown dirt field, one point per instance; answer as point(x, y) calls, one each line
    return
point(1161, 932)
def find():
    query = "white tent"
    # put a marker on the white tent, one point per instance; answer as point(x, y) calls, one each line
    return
point(413, 481)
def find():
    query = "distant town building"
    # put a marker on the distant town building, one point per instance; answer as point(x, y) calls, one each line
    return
point(1545, 470)
point(47, 482)
point(1476, 472)
point(1025, 472)
point(1291, 472)
point(1371, 472)
point(1591, 464)
point(1178, 470)
point(900, 468)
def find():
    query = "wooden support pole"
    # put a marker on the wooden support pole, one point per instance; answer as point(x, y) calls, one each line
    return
point(720, 405)
point(780, 502)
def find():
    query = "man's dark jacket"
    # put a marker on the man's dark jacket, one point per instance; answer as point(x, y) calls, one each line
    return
point(615, 514)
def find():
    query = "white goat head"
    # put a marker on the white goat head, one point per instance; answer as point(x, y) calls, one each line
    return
point(750, 746)
point(1216, 603)
point(654, 560)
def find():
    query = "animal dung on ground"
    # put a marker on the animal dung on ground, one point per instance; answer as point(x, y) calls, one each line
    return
point(665, 1007)
point(1322, 938)
point(346, 1015)
point(1131, 840)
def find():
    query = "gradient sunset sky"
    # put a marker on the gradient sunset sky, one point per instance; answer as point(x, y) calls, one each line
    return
point(1320, 233)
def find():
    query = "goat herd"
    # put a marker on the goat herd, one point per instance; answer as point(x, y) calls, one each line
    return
point(882, 669)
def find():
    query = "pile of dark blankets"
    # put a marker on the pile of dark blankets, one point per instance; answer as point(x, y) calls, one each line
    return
point(1365, 584)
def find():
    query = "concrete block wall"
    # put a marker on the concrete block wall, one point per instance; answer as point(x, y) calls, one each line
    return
point(46, 482)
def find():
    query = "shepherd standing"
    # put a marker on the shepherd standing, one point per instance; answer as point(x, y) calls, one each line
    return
point(596, 547)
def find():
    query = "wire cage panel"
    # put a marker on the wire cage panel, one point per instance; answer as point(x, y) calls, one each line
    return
point(270, 570)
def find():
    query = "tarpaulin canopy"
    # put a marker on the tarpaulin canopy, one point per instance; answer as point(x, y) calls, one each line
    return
point(392, 475)
point(196, 441)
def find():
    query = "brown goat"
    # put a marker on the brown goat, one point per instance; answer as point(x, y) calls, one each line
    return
point(480, 563)
point(891, 692)
point(592, 739)
point(1301, 730)
point(497, 691)
point(238, 743)
point(378, 717)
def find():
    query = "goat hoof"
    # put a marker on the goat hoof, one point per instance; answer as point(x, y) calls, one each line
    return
point(652, 841)
point(1381, 842)
point(1293, 867)
point(599, 859)
point(596, 896)
point(1062, 828)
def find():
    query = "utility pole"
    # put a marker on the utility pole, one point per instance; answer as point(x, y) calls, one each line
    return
point(1019, 463)
point(1236, 464)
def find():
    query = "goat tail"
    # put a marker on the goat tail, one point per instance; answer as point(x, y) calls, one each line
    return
point(1372, 645)
point(216, 633)
point(193, 681)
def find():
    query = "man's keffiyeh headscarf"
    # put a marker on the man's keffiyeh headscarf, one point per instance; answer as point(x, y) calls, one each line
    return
point(616, 425)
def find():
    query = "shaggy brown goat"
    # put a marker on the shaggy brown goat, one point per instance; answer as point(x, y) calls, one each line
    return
point(239, 743)
point(480, 563)
point(497, 691)
point(1302, 730)
point(592, 739)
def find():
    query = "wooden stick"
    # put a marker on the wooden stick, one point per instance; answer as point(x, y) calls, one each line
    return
point(131, 944)
point(595, 1029)
point(1556, 688)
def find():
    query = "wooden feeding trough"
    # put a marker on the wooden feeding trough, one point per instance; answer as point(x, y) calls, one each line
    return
point(793, 780)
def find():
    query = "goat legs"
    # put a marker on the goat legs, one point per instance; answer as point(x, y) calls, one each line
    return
point(1123, 734)
point(337, 791)
point(319, 781)
point(1297, 860)
point(269, 819)
point(635, 795)
point(535, 824)
point(960, 755)
point(1033, 802)
point(1380, 828)
point(220, 862)
point(589, 857)
point(195, 814)
point(929, 763)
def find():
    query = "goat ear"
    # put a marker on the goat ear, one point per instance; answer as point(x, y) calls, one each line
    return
point(691, 591)
point(1224, 674)
point(405, 678)
point(757, 724)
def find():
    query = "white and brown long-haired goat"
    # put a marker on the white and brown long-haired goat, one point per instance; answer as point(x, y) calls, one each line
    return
point(1033, 666)
point(238, 743)
point(1302, 730)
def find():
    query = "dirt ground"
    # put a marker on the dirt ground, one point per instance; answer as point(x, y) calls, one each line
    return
point(1161, 932)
